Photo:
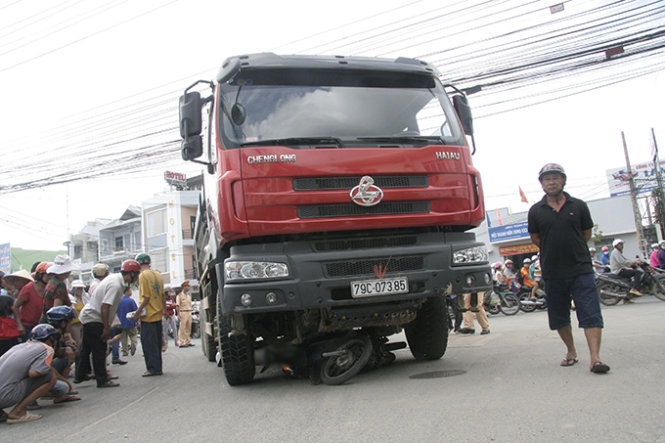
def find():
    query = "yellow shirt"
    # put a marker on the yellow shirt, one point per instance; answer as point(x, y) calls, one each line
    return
point(151, 286)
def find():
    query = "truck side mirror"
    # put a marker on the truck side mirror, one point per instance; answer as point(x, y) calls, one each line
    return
point(190, 115)
point(461, 104)
point(192, 147)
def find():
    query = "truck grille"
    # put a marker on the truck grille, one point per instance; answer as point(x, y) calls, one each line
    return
point(366, 267)
point(337, 183)
point(345, 244)
point(353, 210)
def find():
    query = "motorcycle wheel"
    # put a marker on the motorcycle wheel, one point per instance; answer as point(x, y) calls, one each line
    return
point(526, 307)
point(659, 286)
point(510, 305)
point(608, 300)
point(492, 309)
point(350, 358)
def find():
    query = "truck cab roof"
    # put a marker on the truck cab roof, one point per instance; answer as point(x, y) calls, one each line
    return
point(269, 60)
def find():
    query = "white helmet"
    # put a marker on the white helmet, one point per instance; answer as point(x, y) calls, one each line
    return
point(508, 262)
point(526, 261)
point(534, 257)
point(616, 242)
point(654, 245)
point(592, 249)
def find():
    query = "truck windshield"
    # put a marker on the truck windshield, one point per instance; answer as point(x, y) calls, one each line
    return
point(309, 108)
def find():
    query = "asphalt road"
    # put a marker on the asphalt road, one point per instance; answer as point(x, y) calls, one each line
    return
point(502, 387)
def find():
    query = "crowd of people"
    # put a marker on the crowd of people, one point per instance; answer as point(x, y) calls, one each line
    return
point(53, 330)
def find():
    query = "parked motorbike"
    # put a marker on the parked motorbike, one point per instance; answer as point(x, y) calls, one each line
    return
point(196, 320)
point(500, 299)
point(529, 305)
point(613, 288)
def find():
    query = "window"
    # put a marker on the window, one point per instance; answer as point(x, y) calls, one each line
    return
point(119, 244)
point(156, 223)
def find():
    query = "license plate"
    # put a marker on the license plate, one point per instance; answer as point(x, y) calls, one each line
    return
point(384, 286)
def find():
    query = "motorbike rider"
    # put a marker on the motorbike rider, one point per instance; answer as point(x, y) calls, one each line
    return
point(597, 265)
point(605, 258)
point(525, 275)
point(625, 268)
point(661, 255)
point(653, 257)
point(497, 274)
point(509, 275)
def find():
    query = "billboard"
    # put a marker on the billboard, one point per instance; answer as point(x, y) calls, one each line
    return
point(512, 231)
point(644, 176)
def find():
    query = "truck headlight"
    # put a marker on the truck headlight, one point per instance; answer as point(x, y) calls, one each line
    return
point(475, 254)
point(254, 270)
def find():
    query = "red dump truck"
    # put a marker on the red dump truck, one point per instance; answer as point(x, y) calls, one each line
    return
point(335, 212)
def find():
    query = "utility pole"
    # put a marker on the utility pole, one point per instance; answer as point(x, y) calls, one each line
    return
point(658, 193)
point(633, 198)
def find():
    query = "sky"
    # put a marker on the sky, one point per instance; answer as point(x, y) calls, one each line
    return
point(67, 66)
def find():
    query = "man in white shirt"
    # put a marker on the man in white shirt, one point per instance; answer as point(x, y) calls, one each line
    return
point(96, 318)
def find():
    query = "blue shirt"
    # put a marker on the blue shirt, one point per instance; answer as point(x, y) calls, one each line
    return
point(127, 304)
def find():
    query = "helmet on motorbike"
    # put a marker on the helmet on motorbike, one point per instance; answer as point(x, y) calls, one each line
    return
point(551, 167)
point(526, 261)
point(508, 262)
point(534, 257)
point(42, 332)
point(605, 248)
point(131, 265)
point(143, 258)
point(662, 244)
point(592, 249)
point(654, 246)
point(497, 265)
point(59, 313)
point(617, 242)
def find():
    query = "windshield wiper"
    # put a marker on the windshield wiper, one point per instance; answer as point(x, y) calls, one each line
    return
point(291, 141)
point(423, 140)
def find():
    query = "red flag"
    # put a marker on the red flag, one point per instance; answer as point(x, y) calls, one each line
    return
point(523, 195)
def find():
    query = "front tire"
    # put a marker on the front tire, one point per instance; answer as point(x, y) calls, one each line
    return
point(351, 357)
point(659, 286)
point(427, 335)
point(608, 300)
point(237, 354)
point(526, 297)
point(509, 305)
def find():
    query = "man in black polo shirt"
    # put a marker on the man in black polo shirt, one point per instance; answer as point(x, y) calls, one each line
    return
point(560, 226)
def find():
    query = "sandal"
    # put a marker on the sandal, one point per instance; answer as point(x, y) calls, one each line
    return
point(23, 419)
point(151, 374)
point(599, 368)
point(568, 361)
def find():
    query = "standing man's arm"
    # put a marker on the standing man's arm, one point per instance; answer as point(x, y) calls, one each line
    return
point(587, 234)
point(105, 319)
point(535, 238)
